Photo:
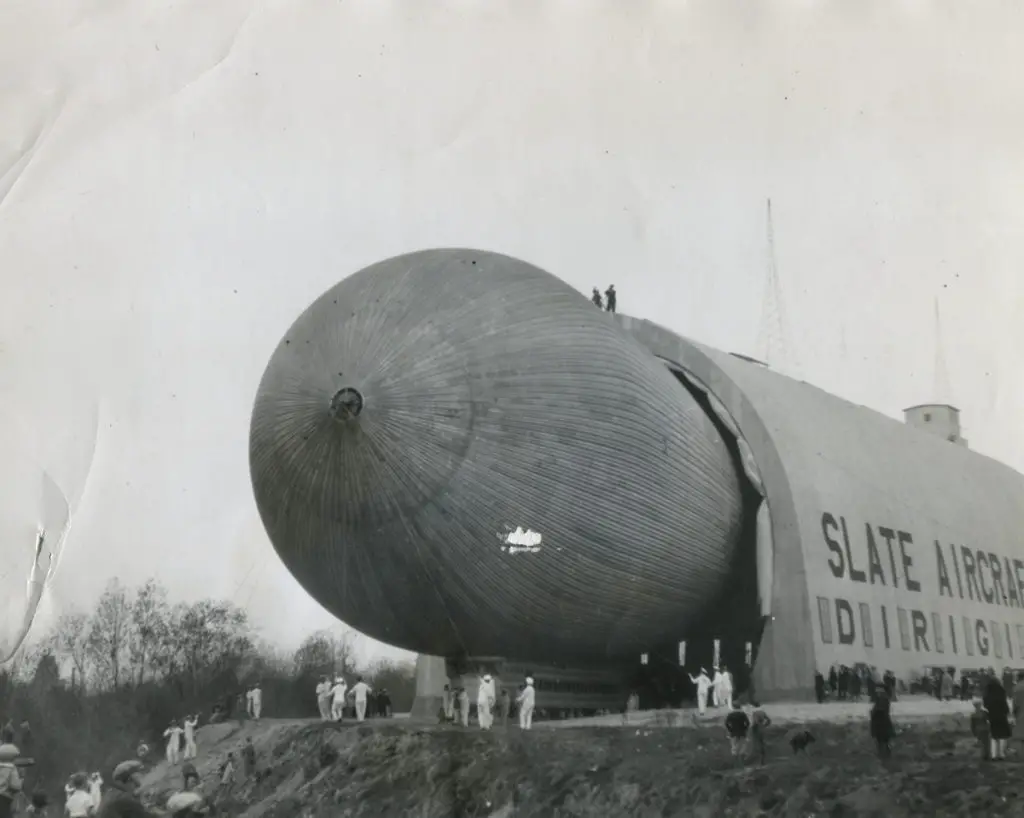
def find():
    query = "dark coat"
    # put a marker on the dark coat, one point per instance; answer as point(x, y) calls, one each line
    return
point(881, 721)
point(998, 711)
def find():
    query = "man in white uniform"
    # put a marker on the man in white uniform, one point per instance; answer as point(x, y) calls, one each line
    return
point(257, 701)
point(526, 700)
point(323, 699)
point(725, 688)
point(338, 694)
point(716, 688)
point(191, 722)
point(703, 683)
point(359, 691)
point(96, 790)
point(485, 697)
point(173, 736)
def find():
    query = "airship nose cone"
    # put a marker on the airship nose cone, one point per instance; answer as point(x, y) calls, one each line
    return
point(425, 408)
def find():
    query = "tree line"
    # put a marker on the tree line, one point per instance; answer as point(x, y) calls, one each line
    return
point(98, 683)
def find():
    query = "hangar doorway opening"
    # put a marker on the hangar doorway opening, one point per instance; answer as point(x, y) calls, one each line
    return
point(730, 633)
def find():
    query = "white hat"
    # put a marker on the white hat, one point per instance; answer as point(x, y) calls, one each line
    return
point(183, 800)
point(487, 677)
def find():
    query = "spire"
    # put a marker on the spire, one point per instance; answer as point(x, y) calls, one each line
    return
point(942, 392)
point(773, 335)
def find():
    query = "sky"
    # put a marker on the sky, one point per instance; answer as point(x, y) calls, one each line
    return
point(179, 180)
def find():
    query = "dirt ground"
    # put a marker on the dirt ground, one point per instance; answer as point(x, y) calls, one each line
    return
point(310, 770)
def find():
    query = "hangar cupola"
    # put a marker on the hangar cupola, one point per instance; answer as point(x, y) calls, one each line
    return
point(939, 419)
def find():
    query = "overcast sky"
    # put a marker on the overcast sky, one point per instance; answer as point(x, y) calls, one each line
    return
point(181, 179)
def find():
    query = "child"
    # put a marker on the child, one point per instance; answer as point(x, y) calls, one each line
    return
point(38, 806)
point(881, 725)
point(980, 731)
point(79, 802)
point(736, 725)
point(759, 724)
point(227, 773)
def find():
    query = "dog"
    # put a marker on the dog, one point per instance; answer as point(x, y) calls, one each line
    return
point(799, 740)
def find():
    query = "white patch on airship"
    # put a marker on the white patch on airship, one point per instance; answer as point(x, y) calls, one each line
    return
point(520, 540)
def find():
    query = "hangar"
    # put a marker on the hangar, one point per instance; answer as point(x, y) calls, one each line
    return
point(887, 543)
point(439, 396)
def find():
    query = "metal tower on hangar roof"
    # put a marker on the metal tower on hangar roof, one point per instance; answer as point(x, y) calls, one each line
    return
point(941, 417)
point(773, 341)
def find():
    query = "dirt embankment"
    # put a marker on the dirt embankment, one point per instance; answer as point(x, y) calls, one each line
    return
point(407, 771)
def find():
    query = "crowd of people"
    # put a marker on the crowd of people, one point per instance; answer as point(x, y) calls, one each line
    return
point(998, 703)
point(456, 707)
point(851, 683)
point(716, 691)
point(607, 302)
point(334, 698)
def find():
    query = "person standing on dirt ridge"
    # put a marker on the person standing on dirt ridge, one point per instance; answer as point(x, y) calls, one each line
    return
point(737, 723)
point(819, 687)
point(485, 700)
point(338, 695)
point(504, 707)
point(79, 803)
point(191, 722)
point(716, 688)
point(448, 703)
point(703, 684)
point(248, 758)
point(527, 700)
point(323, 698)
point(384, 703)
point(256, 701)
point(96, 789)
point(173, 736)
point(360, 690)
point(881, 725)
point(998, 717)
point(227, 774)
point(725, 688)
point(759, 724)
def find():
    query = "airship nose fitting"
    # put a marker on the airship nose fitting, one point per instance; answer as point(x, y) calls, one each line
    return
point(347, 404)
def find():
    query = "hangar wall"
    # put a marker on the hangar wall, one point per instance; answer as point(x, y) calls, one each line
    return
point(785, 662)
point(892, 547)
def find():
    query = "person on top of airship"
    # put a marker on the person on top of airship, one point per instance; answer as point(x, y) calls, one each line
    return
point(703, 684)
point(485, 697)
point(609, 298)
point(596, 298)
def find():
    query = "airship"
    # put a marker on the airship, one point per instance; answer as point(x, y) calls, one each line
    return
point(454, 452)
point(423, 411)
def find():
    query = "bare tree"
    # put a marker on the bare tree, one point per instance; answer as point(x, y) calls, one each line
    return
point(110, 632)
point(324, 652)
point(70, 641)
point(211, 638)
point(150, 629)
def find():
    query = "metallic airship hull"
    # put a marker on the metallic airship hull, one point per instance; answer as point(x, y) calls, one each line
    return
point(427, 406)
